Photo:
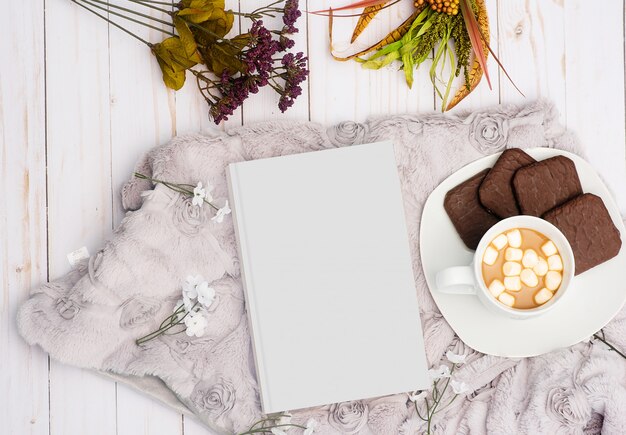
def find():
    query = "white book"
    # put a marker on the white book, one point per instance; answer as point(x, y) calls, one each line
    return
point(327, 273)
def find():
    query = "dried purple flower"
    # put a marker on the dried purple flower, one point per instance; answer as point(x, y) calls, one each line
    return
point(285, 42)
point(295, 73)
point(261, 66)
point(259, 57)
point(291, 15)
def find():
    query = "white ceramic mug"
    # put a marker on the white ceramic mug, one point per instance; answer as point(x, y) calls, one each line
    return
point(468, 280)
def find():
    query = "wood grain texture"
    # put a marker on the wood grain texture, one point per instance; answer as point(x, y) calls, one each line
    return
point(80, 102)
point(594, 84)
point(23, 248)
point(79, 189)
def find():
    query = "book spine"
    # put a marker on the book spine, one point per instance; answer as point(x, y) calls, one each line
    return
point(235, 195)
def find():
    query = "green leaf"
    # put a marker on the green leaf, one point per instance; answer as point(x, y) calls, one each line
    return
point(377, 64)
point(408, 66)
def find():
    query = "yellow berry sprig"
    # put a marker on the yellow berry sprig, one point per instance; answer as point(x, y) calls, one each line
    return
point(450, 7)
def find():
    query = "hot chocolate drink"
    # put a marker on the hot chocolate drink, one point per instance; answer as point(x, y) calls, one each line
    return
point(522, 268)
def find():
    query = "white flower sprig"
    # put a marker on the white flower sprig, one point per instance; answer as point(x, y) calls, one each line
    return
point(190, 311)
point(200, 195)
point(438, 375)
point(279, 424)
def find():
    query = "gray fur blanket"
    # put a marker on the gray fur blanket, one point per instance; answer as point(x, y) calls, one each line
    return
point(91, 317)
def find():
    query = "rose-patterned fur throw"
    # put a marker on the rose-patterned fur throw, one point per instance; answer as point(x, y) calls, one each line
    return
point(92, 317)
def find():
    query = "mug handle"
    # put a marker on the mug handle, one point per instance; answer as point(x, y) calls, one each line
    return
point(458, 280)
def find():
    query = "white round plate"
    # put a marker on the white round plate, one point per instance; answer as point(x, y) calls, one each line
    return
point(591, 301)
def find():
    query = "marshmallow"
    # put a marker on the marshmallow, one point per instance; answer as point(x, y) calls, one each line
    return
point(507, 299)
point(496, 287)
point(549, 248)
point(530, 258)
point(514, 238)
point(511, 268)
point(500, 242)
point(555, 262)
point(552, 280)
point(541, 268)
point(529, 278)
point(512, 283)
point(513, 254)
point(543, 296)
point(490, 256)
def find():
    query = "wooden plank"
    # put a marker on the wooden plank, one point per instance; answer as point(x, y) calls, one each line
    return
point(532, 48)
point(143, 110)
point(192, 426)
point(24, 376)
point(143, 115)
point(79, 189)
point(139, 414)
point(594, 65)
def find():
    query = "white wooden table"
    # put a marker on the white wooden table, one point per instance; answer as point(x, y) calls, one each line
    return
point(80, 102)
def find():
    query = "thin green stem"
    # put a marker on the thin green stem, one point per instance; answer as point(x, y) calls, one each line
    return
point(447, 404)
point(155, 2)
point(418, 412)
point(126, 18)
point(173, 186)
point(130, 11)
point(439, 395)
point(162, 330)
point(268, 428)
point(156, 8)
point(111, 22)
point(207, 31)
point(613, 348)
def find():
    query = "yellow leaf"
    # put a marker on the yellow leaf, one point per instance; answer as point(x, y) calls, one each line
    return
point(220, 22)
point(199, 11)
point(174, 61)
point(186, 37)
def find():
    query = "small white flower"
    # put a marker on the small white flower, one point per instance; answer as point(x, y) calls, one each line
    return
point(459, 387)
point(198, 195)
point(311, 426)
point(441, 372)
point(221, 213)
point(278, 431)
point(190, 286)
point(206, 294)
point(284, 419)
point(196, 323)
point(417, 396)
point(454, 358)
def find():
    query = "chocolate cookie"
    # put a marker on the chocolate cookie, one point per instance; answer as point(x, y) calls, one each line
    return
point(496, 191)
point(468, 216)
point(586, 223)
point(546, 184)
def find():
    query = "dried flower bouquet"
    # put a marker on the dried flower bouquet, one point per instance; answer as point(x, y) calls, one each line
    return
point(227, 68)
